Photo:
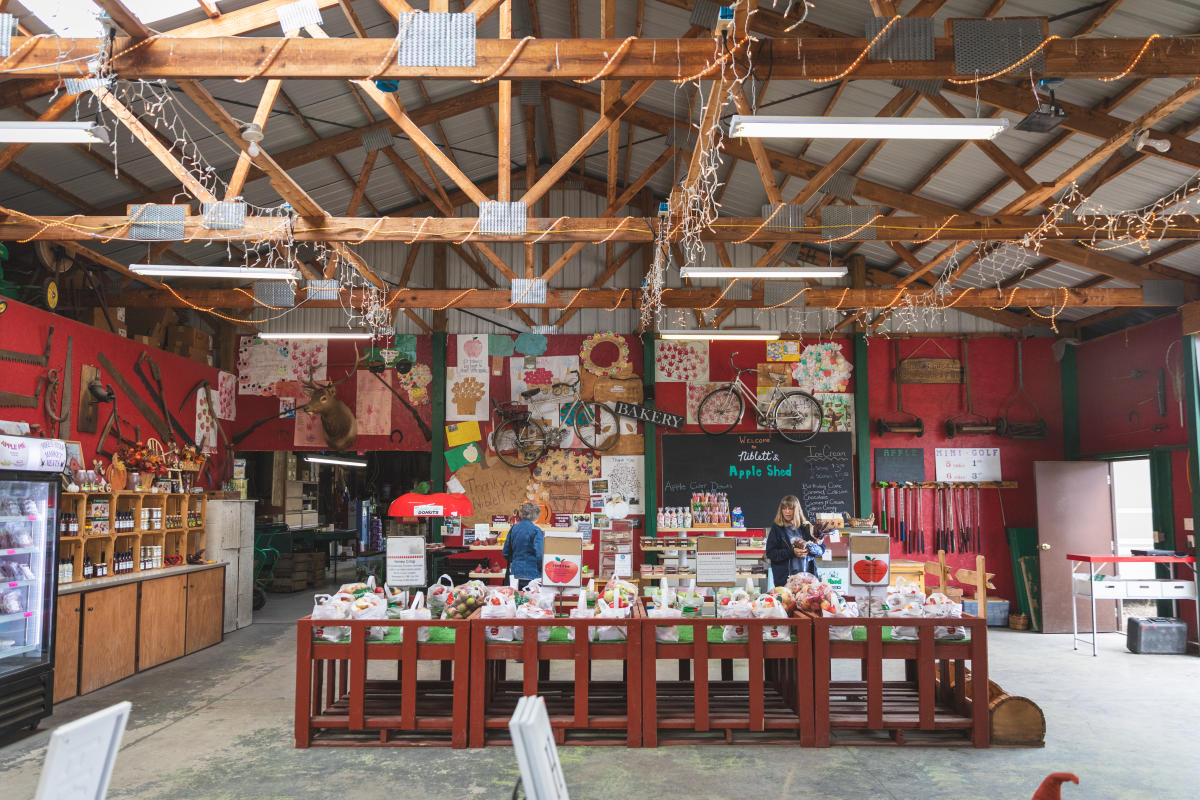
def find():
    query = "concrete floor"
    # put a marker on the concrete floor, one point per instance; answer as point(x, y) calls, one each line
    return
point(218, 724)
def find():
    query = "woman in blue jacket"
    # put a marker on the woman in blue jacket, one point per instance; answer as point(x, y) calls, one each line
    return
point(523, 547)
point(791, 545)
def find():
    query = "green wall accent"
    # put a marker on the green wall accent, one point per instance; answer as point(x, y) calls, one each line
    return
point(650, 475)
point(1162, 503)
point(862, 424)
point(1069, 376)
point(437, 460)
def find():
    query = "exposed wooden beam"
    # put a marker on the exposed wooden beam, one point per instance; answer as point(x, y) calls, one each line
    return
point(1097, 18)
point(261, 115)
point(126, 19)
point(695, 298)
point(316, 137)
point(504, 120)
point(657, 59)
point(607, 119)
point(260, 15)
point(210, 8)
point(360, 187)
point(891, 227)
point(156, 147)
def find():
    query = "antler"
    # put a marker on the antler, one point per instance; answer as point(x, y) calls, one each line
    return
point(358, 360)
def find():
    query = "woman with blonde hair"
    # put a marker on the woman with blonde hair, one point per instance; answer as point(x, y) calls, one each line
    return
point(791, 545)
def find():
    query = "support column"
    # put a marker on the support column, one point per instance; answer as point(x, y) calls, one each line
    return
point(650, 439)
point(1192, 418)
point(437, 459)
point(862, 424)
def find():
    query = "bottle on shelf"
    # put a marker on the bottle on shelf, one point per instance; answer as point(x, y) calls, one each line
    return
point(89, 571)
point(102, 567)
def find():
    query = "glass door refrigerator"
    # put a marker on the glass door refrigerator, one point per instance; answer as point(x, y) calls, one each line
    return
point(30, 471)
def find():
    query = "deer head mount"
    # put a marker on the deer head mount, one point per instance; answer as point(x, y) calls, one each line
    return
point(337, 419)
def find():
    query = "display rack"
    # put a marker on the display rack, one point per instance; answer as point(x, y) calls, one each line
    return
point(300, 503)
point(150, 513)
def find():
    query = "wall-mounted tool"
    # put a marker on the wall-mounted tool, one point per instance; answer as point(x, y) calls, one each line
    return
point(31, 358)
point(970, 423)
point(154, 388)
point(149, 414)
point(1006, 426)
point(91, 393)
point(914, 425)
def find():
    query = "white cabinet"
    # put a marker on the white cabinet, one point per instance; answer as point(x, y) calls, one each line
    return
point(231, 526)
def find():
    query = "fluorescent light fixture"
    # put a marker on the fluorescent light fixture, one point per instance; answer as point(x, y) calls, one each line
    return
point(316, 335)
point(47, 132)
point(865, 127)
point(336, 461)
point(779, 273)
point(239, 273)
point(724, 336)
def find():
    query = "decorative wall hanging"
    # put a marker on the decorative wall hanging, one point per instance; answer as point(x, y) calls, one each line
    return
point(620, 367)
point(681, 361)
point(822, 368)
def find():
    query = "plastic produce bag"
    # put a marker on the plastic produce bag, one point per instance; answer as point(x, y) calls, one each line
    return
point(462, 602)
point(331, 608)
point(370, 606)
point(610, 633)
point(665, 633)
point(690, 600)
point(940, 606)
point(836, 606)
point(735, 609)
point(533, 611)
point(768, 606)
point(436, 594)
point(908, 610)
point(494, 614)
point(418, 611)
point(579, 612)
point(395, 597)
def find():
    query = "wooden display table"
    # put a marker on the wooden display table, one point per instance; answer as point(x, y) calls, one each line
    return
point(1123, 589)
point(337, 705)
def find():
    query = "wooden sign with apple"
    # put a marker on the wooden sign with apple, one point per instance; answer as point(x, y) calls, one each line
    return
point(562, 561)
point(870, 559)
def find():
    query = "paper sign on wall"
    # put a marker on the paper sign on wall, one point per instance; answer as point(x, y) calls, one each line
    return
point(406, 560)
point(870, 558)
point(716, 561)
point(562, 561)
point(959, 464)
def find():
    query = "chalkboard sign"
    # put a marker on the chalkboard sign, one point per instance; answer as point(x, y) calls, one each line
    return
point(899, 464)
point(757, 469)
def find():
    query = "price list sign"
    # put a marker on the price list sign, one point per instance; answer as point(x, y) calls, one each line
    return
point(967, 464)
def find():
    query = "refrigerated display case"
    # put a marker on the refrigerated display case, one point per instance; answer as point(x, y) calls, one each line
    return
point(30, 472)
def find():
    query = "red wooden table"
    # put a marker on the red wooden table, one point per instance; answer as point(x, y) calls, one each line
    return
point(582, 710)
point(774, 704)
point(337, 705)
point(927, 701)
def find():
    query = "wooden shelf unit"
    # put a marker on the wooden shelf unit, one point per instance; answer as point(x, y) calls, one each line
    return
point(174, 541)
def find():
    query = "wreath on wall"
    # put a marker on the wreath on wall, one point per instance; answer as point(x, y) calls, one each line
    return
point(619, 368)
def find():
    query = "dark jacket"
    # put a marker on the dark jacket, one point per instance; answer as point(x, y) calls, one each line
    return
point(523, 550)
point(784, 562)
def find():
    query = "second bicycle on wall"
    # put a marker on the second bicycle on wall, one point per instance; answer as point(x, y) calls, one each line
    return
point(794, 413)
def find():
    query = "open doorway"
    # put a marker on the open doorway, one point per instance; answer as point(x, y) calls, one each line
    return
point(1133, 524)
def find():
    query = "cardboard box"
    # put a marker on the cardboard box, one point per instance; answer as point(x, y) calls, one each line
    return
point(115, 313)
point(188, 337)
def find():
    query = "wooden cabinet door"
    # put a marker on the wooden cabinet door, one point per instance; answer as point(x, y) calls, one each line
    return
point(109, 636)
point(66, 647)
point(162, 622)
point(205, 608)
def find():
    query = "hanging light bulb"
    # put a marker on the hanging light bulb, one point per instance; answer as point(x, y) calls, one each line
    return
point(252, 132)
point(253, 150)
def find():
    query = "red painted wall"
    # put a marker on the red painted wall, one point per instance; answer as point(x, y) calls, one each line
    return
point(279, 434)
point(993, 365)
point(24, 329)
point(1118, 411)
